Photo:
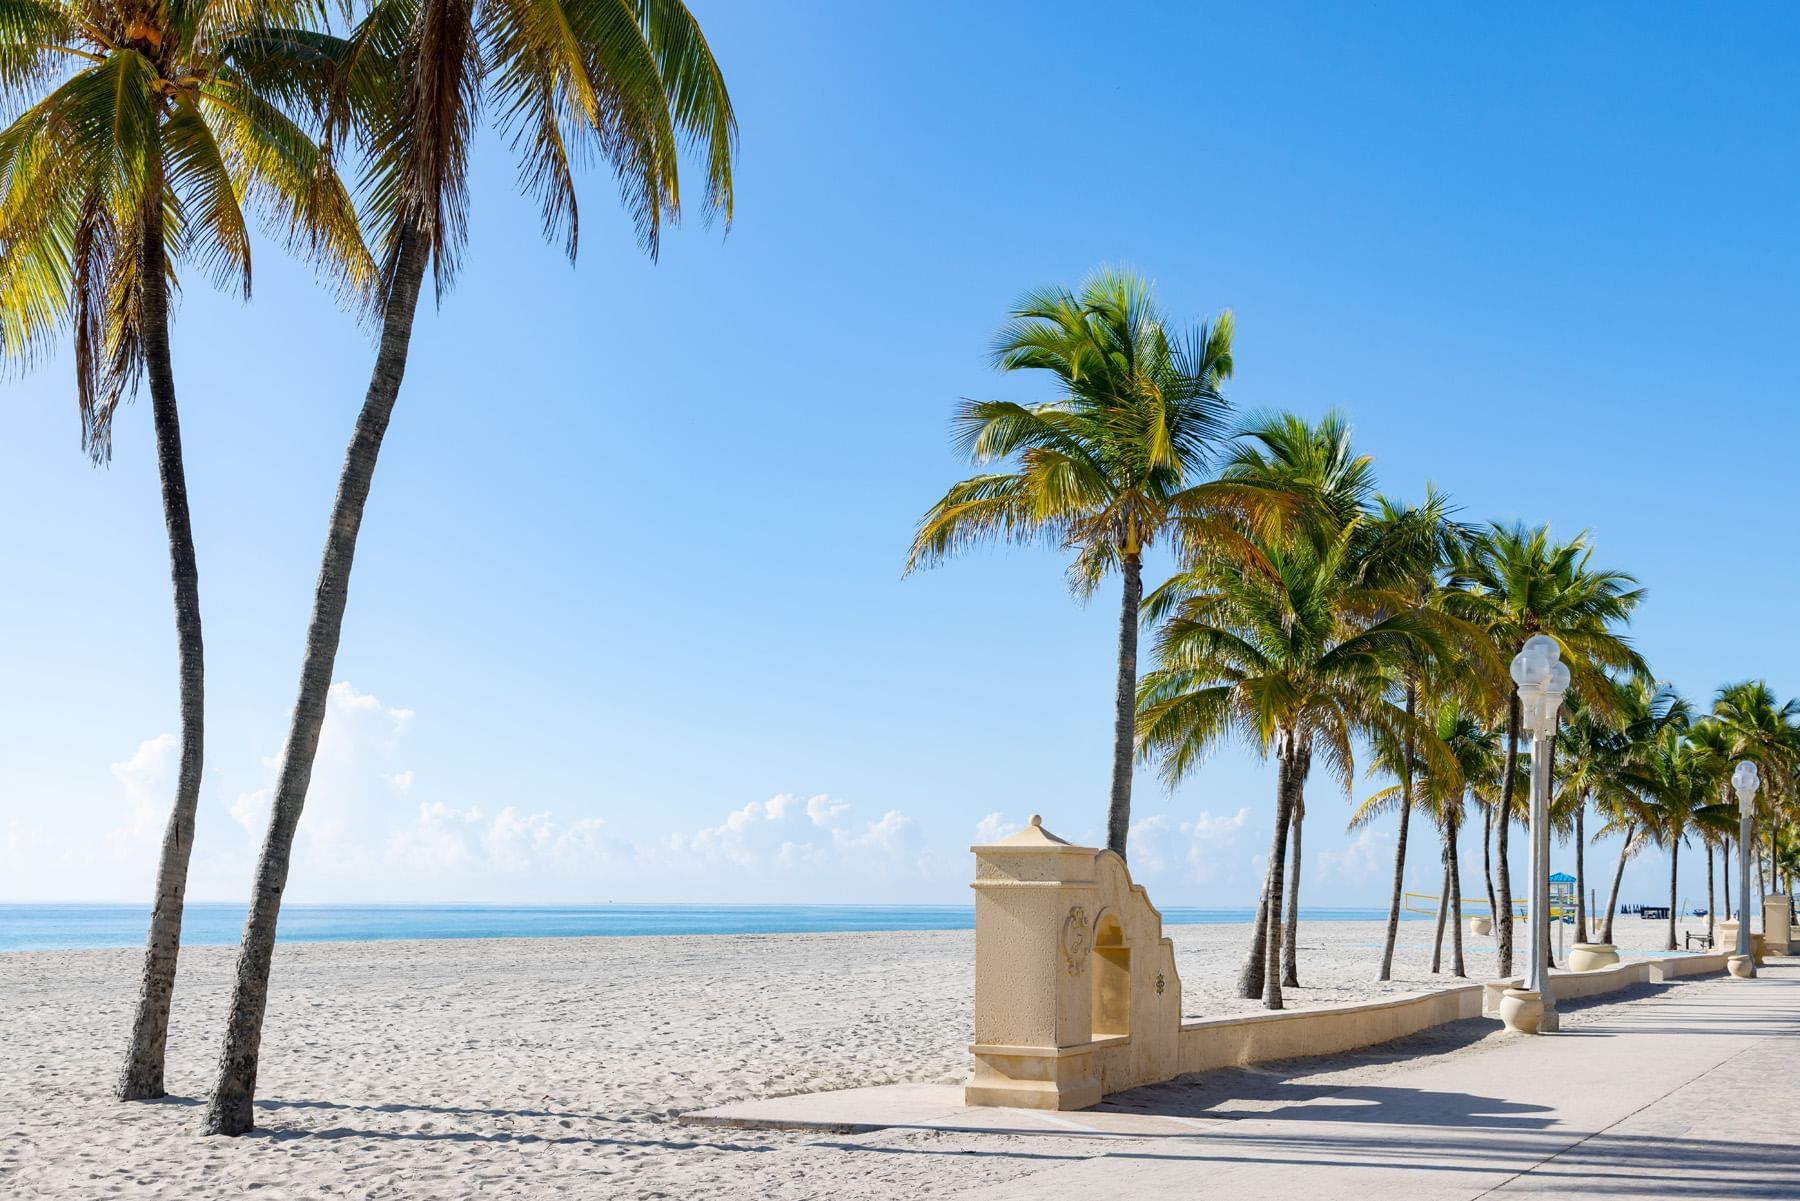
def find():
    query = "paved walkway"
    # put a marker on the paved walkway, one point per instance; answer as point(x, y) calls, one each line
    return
point(1693, 1093)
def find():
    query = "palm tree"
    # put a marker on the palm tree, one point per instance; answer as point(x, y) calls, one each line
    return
point(1317, 466)
point(627, 81)
point(1468, 767)
point(1591, 753)
point(1678, 780)
point(137, 141)
point(1409, 548)
point(1514, 583)
point(1286, 654)
point(1646, 709)
point(1757, 726)
point(1106, 468)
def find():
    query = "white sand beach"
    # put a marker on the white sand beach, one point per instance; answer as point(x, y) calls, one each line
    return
point(538, 1068)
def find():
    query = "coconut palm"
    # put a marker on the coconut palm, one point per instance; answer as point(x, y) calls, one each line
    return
point(1677, 781)
point(1467, 768)
point(137, 140)
point(1315, 464)
point(1288, 655)
point(628, 82)
point(1408, 548)
point(1107, 468)
point(1516, 582)
point(1646, 710)
point(1755, 725)
point(1591, 754)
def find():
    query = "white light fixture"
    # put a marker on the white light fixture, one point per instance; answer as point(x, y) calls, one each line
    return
point(1745, 780)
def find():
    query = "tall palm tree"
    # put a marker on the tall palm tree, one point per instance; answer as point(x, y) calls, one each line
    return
point(1646, 710)
point(1592, 752)
point(1467, 767)
point(1678, 781)
point(1317, 465)
point(1104, 470)
point(626, 81)
point(136, 143)
point(1516, 582)
point(1755, 725)
point(1408, 548)
point(1285, 653)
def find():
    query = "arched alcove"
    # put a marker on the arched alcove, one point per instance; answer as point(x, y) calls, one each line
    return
point(1112, 979)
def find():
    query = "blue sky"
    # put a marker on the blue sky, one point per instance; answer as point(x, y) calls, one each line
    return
point(628, 622)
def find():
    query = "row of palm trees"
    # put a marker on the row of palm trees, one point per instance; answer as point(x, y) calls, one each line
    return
point(1308, 615)
point(141, 139)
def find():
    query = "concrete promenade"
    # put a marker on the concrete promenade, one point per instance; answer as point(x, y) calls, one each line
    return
point(1692, 1093)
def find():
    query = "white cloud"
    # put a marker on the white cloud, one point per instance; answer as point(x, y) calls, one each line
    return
point(824, 811)
point(148, 778)
point(1157, 842)
point(1362, 860)
point(993, 828)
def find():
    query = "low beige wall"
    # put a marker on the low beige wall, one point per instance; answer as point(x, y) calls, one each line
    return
point(1688, 965)
point(1259, 1037)
point(1577, 986)
point(1574, 986)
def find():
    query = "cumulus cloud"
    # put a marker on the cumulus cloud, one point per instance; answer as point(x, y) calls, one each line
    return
point(993, 828)
point(1368, 855)
point(1157, 843)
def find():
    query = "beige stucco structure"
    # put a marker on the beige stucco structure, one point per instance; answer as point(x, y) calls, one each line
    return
point(1076, 993)
point(1777, 923)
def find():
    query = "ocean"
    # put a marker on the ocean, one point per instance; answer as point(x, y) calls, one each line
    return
point(72, 927)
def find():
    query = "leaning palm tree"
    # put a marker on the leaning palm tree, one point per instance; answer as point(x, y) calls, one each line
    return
point(136, 143)
point(1107, 468)
point(1514, 583)
point(1646, 710)
point(1756, 725)
point(626, 81)
point(1591, 752)
point(1467, 767)
point(1678, 781)
point(1288, 655)
point(1408, 548)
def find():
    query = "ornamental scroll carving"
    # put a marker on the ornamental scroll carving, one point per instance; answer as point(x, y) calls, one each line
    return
point(1075, 940)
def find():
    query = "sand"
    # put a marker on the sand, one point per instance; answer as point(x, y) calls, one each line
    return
point(539, 1068)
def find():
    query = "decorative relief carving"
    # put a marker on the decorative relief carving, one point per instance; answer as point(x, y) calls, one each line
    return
point(1159, 984)
point(1075, 940)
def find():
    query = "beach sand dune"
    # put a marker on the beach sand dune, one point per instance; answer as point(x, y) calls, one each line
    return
point(539, 1068)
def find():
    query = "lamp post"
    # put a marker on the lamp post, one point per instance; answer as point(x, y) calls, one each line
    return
point(1542, 678)
point(1745, 782)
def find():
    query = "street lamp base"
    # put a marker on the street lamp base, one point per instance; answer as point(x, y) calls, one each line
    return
point(1741, 966)
point(1549, 1023)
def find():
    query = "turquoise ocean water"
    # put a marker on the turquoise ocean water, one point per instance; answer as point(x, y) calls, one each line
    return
point(68, 927)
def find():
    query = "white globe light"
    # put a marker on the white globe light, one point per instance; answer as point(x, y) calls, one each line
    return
point(1745, 778)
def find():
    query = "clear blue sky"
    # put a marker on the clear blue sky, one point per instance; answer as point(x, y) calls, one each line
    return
point(632, 562)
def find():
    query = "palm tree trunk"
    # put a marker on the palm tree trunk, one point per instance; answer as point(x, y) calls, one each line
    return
point(1709, 893)
point(1290, 964)
point(1674, 856)
point(1393, 922)
point(1725, 873)
point(1291, 784)
point(231, 1110)
point(142, 1075)
point(1457, 966)
point(1250, 980)
point(1118, 812)
point(1503, 915)
point(1581, 913)
point(1437, 940)
point(1612, 897)
point(1487, 865)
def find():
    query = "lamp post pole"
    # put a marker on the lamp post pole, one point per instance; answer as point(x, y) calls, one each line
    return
point(1542, 679)
point(1744, 780)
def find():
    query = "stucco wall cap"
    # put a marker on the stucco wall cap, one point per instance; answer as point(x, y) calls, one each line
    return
point(1033, 836)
